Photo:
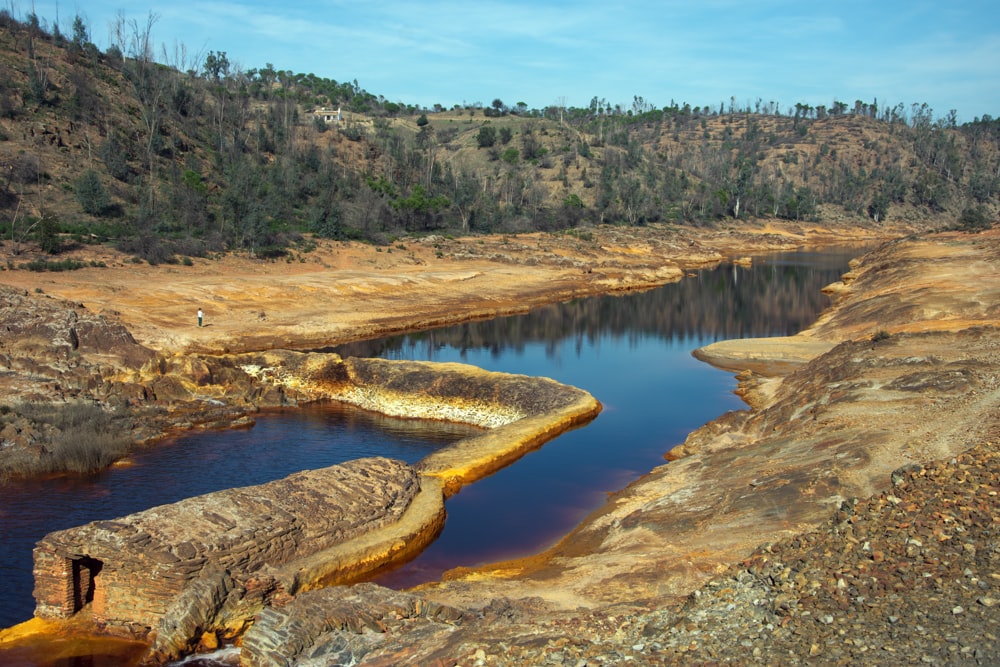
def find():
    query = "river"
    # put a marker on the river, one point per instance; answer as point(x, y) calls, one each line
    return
point(631, 351)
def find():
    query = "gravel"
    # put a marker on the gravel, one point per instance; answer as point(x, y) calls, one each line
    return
point(910, 576)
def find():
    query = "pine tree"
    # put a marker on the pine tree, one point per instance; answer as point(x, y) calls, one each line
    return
point(91, 194)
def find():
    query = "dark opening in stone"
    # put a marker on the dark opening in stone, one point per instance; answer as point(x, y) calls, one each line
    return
point(85, 571)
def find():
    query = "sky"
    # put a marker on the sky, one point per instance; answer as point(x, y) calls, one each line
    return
point(559, 52)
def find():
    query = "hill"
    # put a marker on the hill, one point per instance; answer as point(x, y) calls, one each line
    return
point(197, 156)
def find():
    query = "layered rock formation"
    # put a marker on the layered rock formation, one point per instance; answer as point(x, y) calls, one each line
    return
point(57, 350)
point(332, 626)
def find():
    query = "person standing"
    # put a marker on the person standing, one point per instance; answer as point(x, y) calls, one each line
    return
point(200, 315)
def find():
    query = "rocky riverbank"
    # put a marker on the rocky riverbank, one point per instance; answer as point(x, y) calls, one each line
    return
point(849, 515)
point(125, 336)
point(898, 376)
point(344, 291)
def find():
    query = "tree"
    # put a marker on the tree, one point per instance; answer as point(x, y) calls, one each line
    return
point(572, 209)
point(419, 206)
point(190, 201)
point(425, 143)
point(216, 65)
point(26, 229)
point(38, 82)
point(530, 144)
point(466, 194)
point(632, 199)
point(879, 207)
point(115, 153)
point(736, 186)
point(80, 37)
point(242, 205)
point(974, 218)
point(487, 136)
point(326, 222)
point(47, 236)
point(930, 190)
point(91, 194)
point(148, 84)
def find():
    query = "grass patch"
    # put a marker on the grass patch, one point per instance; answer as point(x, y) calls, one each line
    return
point(43, 438)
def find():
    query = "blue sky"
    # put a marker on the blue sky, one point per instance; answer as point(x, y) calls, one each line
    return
point(544, 52)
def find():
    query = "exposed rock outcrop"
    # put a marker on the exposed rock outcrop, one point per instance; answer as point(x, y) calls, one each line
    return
point(51, 349)
point(337, 626)
point(59, 329)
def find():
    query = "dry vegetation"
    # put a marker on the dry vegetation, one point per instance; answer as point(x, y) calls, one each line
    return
point(183, 160)
point(71, 437)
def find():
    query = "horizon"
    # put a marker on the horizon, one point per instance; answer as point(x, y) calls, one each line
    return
point(558, 53)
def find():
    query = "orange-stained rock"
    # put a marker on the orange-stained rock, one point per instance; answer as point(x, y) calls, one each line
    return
point(210, 563)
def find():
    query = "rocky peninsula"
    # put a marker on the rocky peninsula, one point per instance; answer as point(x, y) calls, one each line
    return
point(777, 528)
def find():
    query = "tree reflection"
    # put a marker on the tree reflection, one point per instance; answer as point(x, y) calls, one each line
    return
point(779, 295)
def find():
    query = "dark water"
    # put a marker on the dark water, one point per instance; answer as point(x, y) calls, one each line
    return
point(281, 443)
point(631, 352)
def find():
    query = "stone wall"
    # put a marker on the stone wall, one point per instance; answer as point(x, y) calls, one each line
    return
point(233, 546)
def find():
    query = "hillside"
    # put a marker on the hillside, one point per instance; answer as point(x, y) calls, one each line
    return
point(197, 157)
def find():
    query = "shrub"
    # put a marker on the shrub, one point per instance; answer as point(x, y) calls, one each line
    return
point(487, 136)
point(974, 218)
point(73, 437)
point(880, 336)
point(41, 265)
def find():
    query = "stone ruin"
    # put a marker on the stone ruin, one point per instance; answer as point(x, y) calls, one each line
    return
point(207, 564)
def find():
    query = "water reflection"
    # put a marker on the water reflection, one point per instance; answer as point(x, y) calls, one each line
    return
point(633, 352)
point(779, 295)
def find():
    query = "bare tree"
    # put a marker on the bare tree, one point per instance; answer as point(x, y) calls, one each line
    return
point(135, 41)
